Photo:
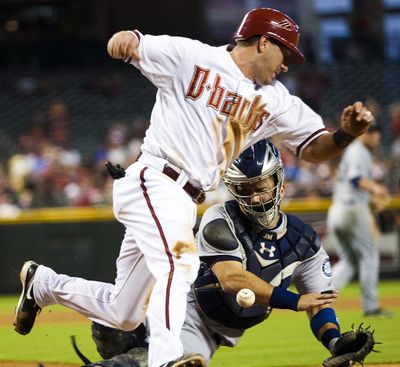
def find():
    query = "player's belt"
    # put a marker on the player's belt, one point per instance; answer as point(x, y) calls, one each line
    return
point(197, 195)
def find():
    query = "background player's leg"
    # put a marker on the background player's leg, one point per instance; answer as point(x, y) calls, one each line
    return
point(368, 261)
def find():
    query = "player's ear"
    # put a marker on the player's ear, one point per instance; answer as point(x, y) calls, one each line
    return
point(263, 43)
point(283, 190)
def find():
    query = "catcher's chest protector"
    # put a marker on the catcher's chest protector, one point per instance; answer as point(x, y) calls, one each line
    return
point(270, 258)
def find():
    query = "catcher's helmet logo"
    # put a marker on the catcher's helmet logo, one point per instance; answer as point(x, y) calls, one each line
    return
point(327, 268)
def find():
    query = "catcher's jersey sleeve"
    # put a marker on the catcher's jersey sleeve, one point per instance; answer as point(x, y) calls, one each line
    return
point(314, 275)
point(208, 250)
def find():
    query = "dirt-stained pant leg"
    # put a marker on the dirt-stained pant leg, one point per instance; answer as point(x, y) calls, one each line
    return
point(118, 305)
point(161, 219)
point(157, 264)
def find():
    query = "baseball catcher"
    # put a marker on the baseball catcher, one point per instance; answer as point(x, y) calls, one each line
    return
point(250, 243)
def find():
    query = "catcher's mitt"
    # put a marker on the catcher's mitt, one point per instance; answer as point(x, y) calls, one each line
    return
point(353, 346)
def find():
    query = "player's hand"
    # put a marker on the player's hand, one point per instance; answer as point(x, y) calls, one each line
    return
point(356, 119)
point(380, 191)
point(310, 300)
point(380, 197)
point(123, 45)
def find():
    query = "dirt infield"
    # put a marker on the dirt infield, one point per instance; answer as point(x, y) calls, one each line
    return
point(61, 317)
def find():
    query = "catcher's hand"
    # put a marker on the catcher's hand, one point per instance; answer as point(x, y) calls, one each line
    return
point(353, 346)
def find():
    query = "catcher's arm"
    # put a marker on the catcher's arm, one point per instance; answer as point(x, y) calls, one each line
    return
point(325, 326)
point(347, 349)
point(232, 278)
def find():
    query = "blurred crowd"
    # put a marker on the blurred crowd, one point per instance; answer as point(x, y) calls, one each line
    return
point(48, 170)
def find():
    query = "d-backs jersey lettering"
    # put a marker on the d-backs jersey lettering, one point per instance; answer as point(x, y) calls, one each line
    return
point(207, 111)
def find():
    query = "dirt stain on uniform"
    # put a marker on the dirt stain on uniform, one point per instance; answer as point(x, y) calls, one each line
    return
point(184, 247)
point(149, 290)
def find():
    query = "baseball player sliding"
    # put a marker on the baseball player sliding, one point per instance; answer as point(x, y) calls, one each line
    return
point(212, 103)
point(249, 243)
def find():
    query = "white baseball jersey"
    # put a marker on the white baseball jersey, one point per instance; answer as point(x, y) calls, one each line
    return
point(356, 163)
point(207, 111)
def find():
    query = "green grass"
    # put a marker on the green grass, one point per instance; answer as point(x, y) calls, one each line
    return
point(286, 340)
point(283, 340)
point(46, 342)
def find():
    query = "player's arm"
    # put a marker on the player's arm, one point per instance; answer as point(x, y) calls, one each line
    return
point(316, 274)
point(374, 188)
point(124, 45)
point(232, 278)
point(355, 120)
point(380, 197)
point(325, 325)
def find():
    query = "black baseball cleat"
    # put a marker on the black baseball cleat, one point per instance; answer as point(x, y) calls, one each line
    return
point(27, 309)
point(379, 312)
point(188, 360)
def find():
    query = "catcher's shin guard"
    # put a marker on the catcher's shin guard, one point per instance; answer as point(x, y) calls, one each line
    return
point(136, 357)
point(111, 342)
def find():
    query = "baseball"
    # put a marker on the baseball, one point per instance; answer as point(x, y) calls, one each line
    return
point(245, 298)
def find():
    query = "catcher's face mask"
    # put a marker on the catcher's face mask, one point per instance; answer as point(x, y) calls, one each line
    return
point(261, 200)
point(255, 179)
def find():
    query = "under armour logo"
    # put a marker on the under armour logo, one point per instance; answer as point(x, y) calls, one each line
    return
point(269, 250)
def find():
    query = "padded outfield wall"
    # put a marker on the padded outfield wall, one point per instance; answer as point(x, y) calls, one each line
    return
point(85, 241)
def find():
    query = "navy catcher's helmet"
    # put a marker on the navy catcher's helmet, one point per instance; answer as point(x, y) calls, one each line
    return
point(257, 163)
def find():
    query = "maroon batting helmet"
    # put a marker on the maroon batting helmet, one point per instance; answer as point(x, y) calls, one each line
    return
point(274, 24)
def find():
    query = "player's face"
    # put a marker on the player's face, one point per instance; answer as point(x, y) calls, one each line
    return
point(271, 61)
point(261, 192)
point(260, 200)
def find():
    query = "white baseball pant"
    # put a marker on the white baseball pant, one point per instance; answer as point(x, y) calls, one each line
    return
point(158, 259)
